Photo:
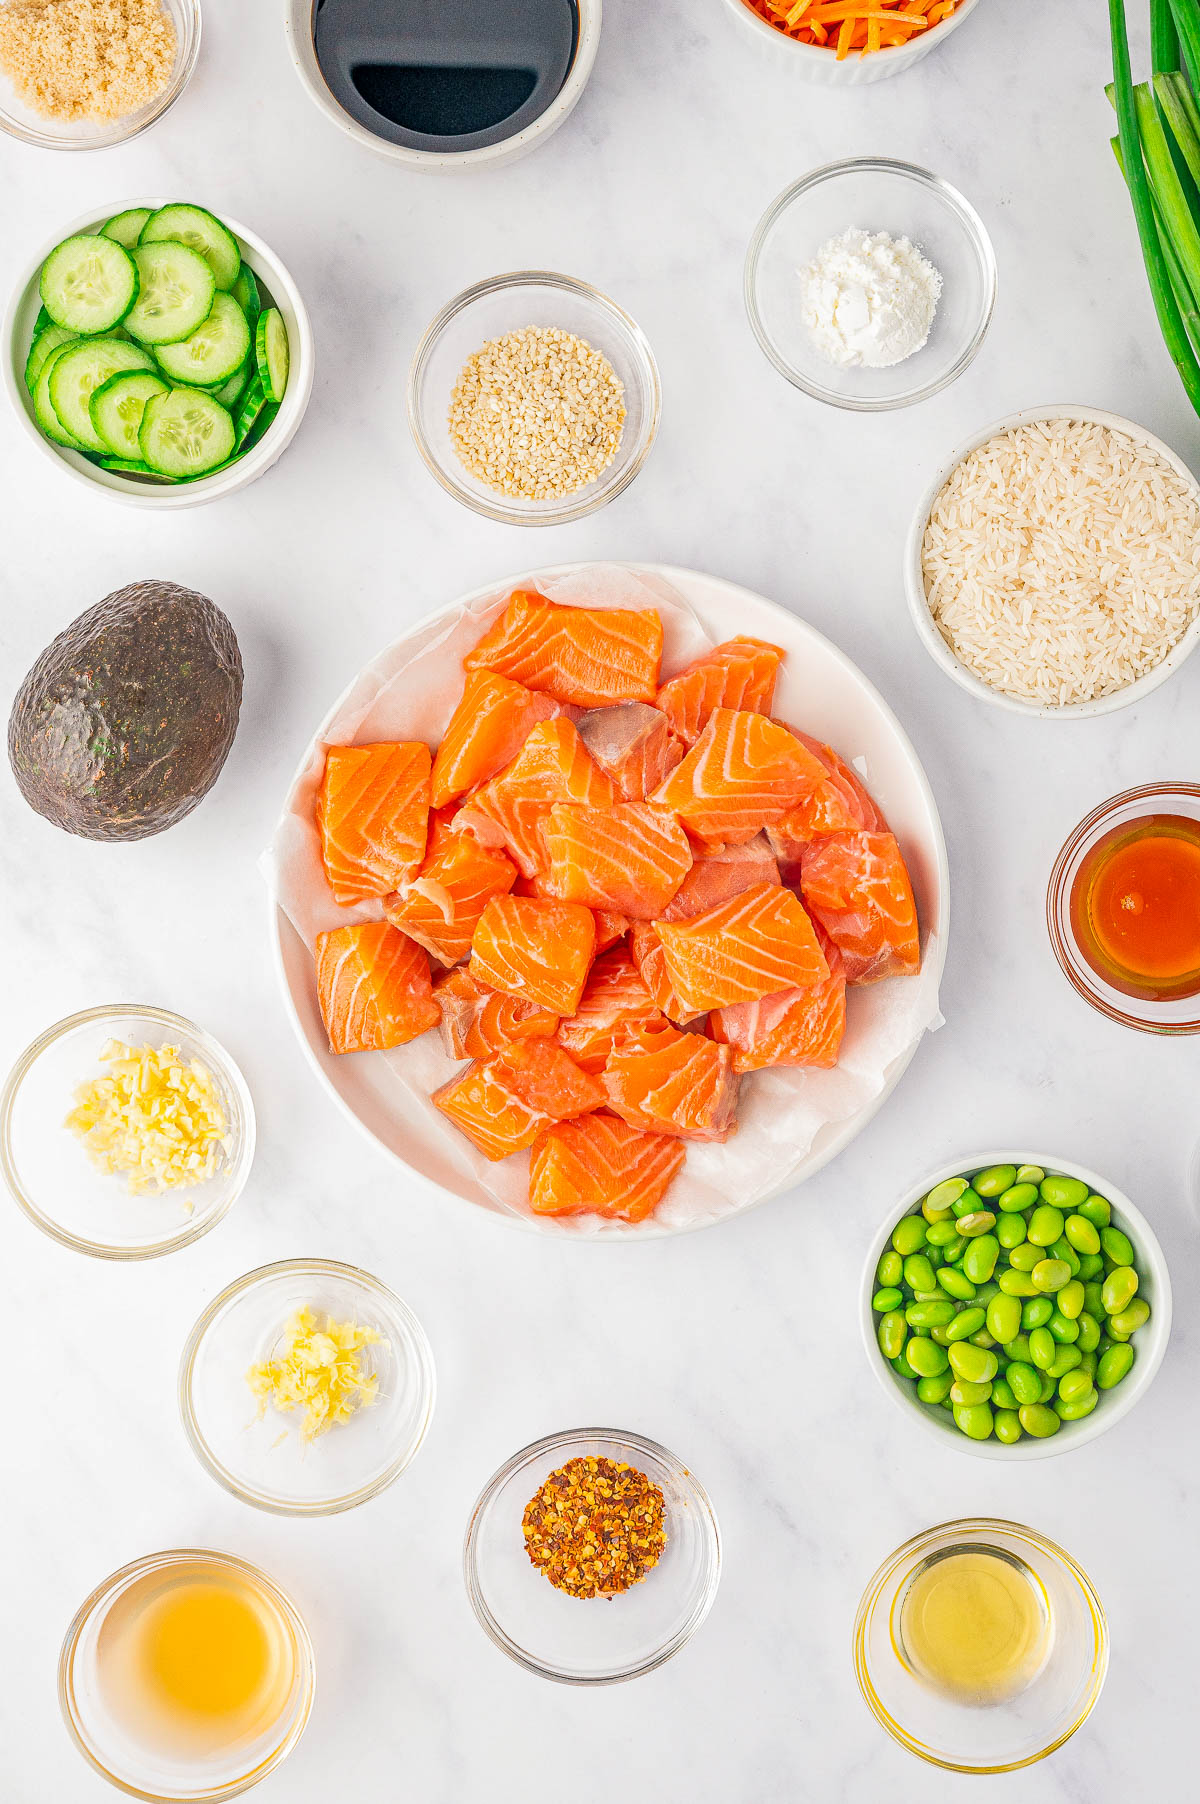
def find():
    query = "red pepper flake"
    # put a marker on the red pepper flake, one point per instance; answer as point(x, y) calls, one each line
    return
point(595, 1527)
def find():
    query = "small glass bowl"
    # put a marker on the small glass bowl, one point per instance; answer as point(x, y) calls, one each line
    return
point(591, 1641)
point(1172, 1015)
point(991, 1738)
point(51, 1176)
point(508, 303)
point(19, 121)
point(110, 1746)
point(262, 1460)
point(877, 195)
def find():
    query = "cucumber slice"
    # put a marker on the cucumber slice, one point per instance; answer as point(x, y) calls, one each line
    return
point(88, 283)
point(126, 466)
point(215, 350)
point(176, 295)
point(271, 351)
point(116, 409)
point(185, 433)
point(179, 224)
point(246, 414)
point(230, 393)
point(45, 341)
point(125, 228)
point(260, 428)
point(43, 407)
point(79, 372)
point(245, 293)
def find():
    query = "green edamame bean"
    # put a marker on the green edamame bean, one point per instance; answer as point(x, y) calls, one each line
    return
point(1002, 1394)
point(1116, 1246)
point(938, 1314)
point(1049, 1386)
point(974, 1420)
point(1010, 1231)
point(995, 1179)
point(964, 1324)
point(926, 1296)
point(1082, 1234)
point(972, 1364)
point(979, 1260)
point(1097, 1210)
point(1063, 1193)
point(1006, 1425)
point(980, 1221)
point(1114, 1364)
point(1119, 1289)
point(1017, 1348)
point(908, 1236)
point(1017, 1283)
point(1045, 1225)
point(966, 1394)
point(1089, 1332)
point(1024, 1381)
point(1029, 1174)
point(1017, 1199)
point(1075, 1385)
point(1093, 1298)
point(1091, 1265)
point(1025, 1257)
point(1051, 1274)
point(934, 1255)
point(925, 1357)
point(938, 1334)
point(1070, 1300)
point(1042, 1348)
point(1065, 1360)
point(968, 1202)
point(1064, 1330)
point(892, 1333)
point(1036, 1313)
point(985, 1292)
point(1088, 1363)
point(1004, 1317)
point(890, 1269)
point(981, 1338)
point(1039, 1421)
point(940, 1233)
point(935, 1390)
point(1062, 1249)
point(1075, 1412)
point(956, 1248)
point(955, 1283)
point(885, 1300)
point(1130, 1319)
point(918, 1273)
point(900, 1364)
point(942, 1198)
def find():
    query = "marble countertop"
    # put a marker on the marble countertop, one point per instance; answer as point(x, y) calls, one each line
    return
point(739, 1347)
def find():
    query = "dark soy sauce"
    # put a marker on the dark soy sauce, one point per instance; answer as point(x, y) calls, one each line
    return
point(445, 75)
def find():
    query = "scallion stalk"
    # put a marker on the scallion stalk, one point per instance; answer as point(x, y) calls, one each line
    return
point(1184, 299)
point(1164, 39)
point(1186, 17)
point(1179, 120)
point(1168, 190)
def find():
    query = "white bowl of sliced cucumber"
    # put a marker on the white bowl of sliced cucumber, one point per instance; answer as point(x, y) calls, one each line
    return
point(159, 353)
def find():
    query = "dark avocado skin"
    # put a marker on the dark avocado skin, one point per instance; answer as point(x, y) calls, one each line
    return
point(125, 720)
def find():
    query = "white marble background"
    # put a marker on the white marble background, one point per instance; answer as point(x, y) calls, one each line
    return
point(738, 1347)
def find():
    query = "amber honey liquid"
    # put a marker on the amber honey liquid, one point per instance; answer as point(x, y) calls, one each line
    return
point(196, 1661)
point(974, 1623)
point(1135, 907)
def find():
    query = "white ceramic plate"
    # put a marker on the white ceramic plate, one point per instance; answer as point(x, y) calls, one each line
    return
point(819, 689)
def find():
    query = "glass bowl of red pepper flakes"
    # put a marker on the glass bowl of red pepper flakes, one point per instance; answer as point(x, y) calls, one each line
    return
point(592, 1556)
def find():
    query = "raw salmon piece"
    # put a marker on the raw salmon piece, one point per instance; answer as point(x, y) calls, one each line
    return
point(647, 952)
point(488, 728)
point(552, 766)
point(440, 908)
point(634, 745)
point(793, 1027)
point(610, 927)
point(613, 998)
point(739, 674)
point(492, 1118)
point(858, 888)
point(600, 1165)
point(373, 987)
point(716, 876)
point(588, 656)
point(546, 1079)
point(373, 815)
point(750, 946)
point(743, 772)
point(630, 857)
point(839, 804)
point(477, 1020)
point(536, 949)
point(672, 1083)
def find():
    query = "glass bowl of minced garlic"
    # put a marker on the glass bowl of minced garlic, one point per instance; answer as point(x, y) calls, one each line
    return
point(125, 1132)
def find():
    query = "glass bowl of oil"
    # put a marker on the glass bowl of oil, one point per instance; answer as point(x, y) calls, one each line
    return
point(1123, 908)
point(266, 1455)
point(980, 1646)
point(187, 1675)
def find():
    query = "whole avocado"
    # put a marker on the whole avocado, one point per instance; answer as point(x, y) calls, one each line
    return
point(124, 722)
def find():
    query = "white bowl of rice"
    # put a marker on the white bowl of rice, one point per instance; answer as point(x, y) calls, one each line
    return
point(1053, 565)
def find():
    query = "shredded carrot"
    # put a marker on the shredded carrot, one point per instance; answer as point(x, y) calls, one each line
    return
point(862, 25)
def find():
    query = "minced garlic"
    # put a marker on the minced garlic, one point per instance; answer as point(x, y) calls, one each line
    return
point(153, 1117)
point(319, 1373)
point(86, 59)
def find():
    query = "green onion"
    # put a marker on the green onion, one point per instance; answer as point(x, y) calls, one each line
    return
point(1184, 300)
point(1168, 190)
point(1181, 118)
point(1186, 15)
point(1164, 39)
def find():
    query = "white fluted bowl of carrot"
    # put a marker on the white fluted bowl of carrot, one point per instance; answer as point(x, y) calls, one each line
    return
point(843, 42)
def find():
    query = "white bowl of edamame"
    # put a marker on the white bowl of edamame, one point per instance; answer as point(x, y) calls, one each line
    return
point(1088, 1335)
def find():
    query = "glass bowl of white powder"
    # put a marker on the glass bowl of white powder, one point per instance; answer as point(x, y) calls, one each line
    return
point(870, 284)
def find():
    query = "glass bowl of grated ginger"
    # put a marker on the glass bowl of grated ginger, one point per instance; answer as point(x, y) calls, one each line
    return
point(125, 1132)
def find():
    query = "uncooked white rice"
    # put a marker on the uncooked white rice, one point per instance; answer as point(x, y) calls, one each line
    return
point(1062, 561)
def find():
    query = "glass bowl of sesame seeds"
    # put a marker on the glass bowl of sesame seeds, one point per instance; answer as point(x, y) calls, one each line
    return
point(612, 1599)
point(533, 398)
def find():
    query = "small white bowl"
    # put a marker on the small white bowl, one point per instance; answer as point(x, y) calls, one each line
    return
point(812, 63)
point(298, 23)
point(18, 331)
point(1150, 1342)
point(914, 579)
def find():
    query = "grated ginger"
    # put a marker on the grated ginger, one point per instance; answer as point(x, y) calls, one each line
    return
point(152, 1117)
point(319, 1373)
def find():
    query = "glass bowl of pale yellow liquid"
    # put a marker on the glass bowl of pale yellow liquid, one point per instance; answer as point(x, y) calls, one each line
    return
point(980, 1646)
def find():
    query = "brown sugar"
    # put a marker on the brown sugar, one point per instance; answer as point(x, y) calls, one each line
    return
point(86, 59)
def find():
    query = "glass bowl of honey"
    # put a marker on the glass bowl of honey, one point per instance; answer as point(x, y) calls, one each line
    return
point(1123, 908)
point(980, 1646)
point(188, 1675)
